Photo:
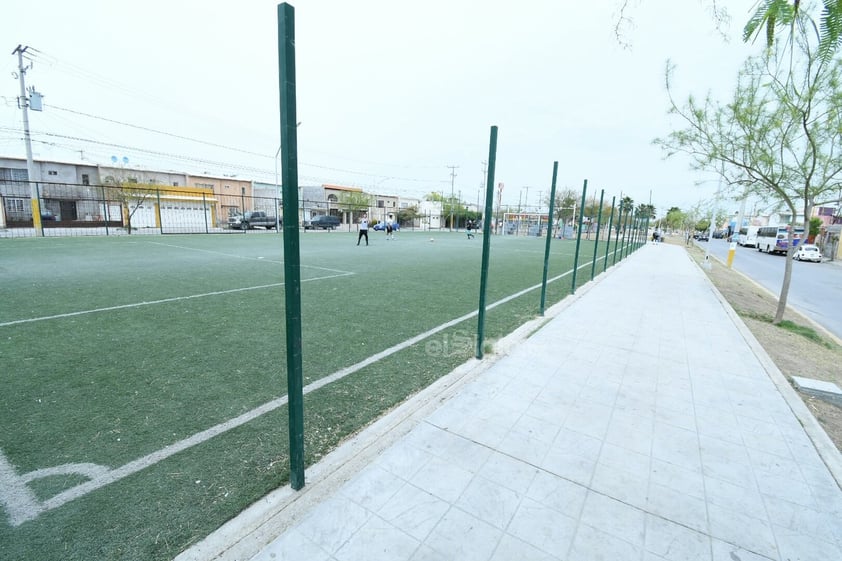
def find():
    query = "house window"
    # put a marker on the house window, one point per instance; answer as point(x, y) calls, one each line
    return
point(175, 183)
point(381, 204)
point(20, 175)
point(86, 180)
point(52, 172)
point(131, 180)
point(15, 205)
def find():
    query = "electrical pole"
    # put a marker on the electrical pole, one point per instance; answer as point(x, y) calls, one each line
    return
point(23, 103)
point(452, 181)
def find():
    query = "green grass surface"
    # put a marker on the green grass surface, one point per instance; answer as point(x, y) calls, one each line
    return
point(181, 333)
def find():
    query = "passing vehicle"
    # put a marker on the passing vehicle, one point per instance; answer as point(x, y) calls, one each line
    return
point(380, 226)
point(808, 252)
point(748, 236)
point(775, 239)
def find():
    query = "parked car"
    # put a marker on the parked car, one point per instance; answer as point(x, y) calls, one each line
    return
point(701, 237)
point(808, 252)
point(47, 215)
point(380, 226)
point(322, 223)
point(251, 219)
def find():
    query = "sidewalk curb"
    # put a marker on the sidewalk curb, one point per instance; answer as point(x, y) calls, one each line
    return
point(246, 535)
point(825, 447)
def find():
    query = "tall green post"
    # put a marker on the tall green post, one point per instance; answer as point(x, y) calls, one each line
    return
point(608, 244)
point(598, 228)
point(624, 247)
point(549, 239)
point(486, 239)
point(617, 237)
point(292, 255)
point(579, 236)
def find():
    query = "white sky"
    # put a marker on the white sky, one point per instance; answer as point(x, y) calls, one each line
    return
point(389, 92)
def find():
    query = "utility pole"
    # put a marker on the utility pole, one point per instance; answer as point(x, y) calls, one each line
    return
point(23, 103)
point(452, 181)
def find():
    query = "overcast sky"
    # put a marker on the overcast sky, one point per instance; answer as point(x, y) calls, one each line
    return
point(390, 93)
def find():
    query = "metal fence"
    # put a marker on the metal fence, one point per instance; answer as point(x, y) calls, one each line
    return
point(86, 210)
point(106, 210)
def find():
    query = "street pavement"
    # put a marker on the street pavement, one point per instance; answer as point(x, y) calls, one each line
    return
point(640, 420)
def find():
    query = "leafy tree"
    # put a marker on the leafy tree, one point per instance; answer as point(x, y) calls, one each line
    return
point(130, 194)
point(773, 14)
point(779, 137)
point(675, 219)
point(566, 203)
point(450, 206)
point(646, 211)
point(407, 215)
point(769, 17)
point(356, 202)
point(815, 227)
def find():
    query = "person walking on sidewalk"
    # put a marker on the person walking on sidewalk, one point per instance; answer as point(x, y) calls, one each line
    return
point(363, 230)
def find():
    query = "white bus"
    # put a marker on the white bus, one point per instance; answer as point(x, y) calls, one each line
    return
point(775, 239)
point(748, 236)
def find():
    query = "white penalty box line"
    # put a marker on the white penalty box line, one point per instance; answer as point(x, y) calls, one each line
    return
point(167, 300)
point(22, 505)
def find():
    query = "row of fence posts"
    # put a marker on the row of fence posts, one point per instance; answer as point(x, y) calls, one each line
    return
point(633, 230)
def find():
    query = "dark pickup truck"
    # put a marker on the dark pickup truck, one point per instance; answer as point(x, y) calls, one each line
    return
point(323, 223)
point(251, 219)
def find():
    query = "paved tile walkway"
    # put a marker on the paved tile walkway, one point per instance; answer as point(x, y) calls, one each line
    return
point(639, 423)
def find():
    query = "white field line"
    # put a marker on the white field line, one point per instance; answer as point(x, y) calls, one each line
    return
point(165, 300)
point(235, 256)
point(29, 509)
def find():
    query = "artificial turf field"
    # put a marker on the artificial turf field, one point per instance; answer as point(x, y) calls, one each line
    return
point(144, 377)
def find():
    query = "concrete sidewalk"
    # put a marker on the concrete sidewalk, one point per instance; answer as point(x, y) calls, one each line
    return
point(642, 422)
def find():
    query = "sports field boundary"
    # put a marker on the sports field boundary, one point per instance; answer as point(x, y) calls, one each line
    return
point(26, 507)
point(252, 530)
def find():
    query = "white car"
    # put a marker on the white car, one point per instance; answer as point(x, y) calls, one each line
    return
point(808, 252)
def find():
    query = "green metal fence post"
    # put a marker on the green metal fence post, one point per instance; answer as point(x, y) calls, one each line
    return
point(617, 236)
point(158, 211)
point(486, 239)
point(549, 238)
point(579, 236)
point(625, 231)
point(104, 208)
point(598, 227)
point(292, 256)
point(608, 244)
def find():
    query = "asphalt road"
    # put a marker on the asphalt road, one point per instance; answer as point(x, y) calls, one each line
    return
point(815, 290)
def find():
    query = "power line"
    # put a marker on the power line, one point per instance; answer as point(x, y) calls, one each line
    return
point(148, 129)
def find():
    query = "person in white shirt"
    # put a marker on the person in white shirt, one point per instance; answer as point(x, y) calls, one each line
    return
point(363, 230)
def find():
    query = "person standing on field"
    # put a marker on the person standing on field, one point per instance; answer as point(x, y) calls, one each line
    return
point(363, 230)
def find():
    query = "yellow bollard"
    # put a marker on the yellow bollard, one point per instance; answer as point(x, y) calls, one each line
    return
point(731, 251)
